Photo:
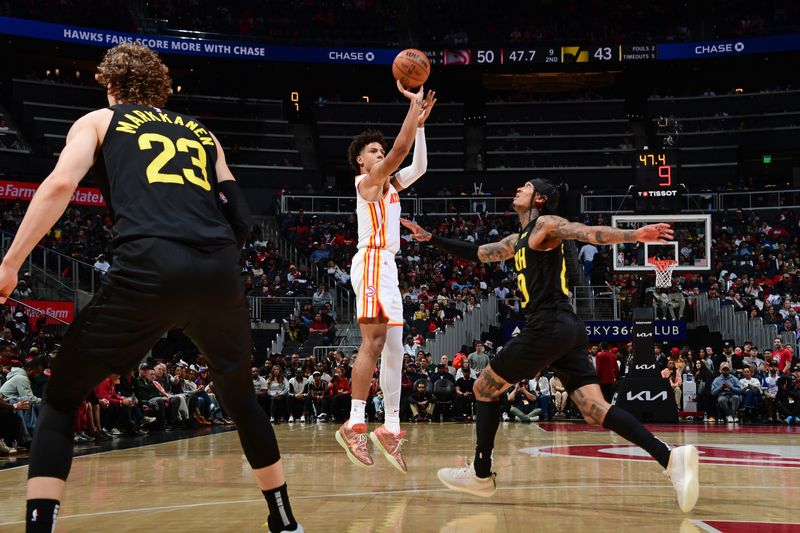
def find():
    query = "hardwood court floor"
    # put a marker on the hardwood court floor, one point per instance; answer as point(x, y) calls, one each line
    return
point(551, 477)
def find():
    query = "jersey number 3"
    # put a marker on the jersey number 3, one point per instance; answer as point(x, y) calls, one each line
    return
point(522, 284)
point(168, 151)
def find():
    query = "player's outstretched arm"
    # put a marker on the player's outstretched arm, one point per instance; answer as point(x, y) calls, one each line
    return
point(550, 230)
point(485, 253)
point(53, 196)
point(380, 172)
point(405, 177)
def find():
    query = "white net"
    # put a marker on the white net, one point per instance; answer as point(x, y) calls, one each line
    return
point(663, 269)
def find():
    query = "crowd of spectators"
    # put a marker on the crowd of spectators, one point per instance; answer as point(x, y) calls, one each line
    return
point(744, 383)
point(306, 390)
point(435, 289)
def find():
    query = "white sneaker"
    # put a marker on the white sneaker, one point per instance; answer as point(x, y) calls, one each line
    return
point(682, 470)
point(534, 419)
point(464, 480)
point(736, 419)
point(303, 419)
point(298, 529)
point(505, 417)
point(149, 419)
point(291, 420)
point(730, 419)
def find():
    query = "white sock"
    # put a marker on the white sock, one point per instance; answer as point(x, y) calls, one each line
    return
point(392, 421)
point(356, 412)
point(391, 377)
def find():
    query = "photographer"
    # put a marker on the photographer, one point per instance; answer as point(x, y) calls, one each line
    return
point(523, 403)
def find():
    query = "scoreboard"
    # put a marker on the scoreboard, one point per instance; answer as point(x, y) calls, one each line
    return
point(526, 55)
point(656, 188)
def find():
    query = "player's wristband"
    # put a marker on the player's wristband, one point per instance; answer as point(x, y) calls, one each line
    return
point(464, 250)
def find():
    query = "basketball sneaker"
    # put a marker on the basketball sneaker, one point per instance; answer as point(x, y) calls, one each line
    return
point(298, 529)
point(682, 470)
point(354, 442)
point(464, 479)
point(391, 446)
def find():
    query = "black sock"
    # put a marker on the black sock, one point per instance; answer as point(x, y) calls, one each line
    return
point(488, 415)
point(625, 425)
point(40, 515)
point(280, 510)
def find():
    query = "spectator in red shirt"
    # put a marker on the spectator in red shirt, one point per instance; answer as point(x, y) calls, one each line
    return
point(607, 370)
point(320, 327)
point(115, 410)
point(782, 355)
point(339, 395)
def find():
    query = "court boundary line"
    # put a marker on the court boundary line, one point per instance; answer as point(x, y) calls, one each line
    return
point(77, 457)
point(404, 491)
point(638, 459)
point(705, 527)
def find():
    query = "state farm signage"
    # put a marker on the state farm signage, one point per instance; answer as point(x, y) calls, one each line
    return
point(63, 311)
point(23, 190)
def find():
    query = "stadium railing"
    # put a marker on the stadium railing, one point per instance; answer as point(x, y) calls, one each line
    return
point(737, 325)
point(264, 309)
point(466, 330)
point(595, 302)
point(698, 202)
point(430, 205)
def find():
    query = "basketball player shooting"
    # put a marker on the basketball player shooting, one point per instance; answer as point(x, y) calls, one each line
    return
point(552, 337)
point(374, 276)
point(179, 222)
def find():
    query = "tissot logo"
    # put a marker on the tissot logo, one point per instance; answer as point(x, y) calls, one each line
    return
point(645, 334)
point(658, 193)
point(646, 367)
point(647, 396)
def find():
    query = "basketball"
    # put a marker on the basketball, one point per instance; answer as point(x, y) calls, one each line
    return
point(411, 68)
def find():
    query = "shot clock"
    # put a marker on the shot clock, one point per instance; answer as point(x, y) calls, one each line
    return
point(657, 188)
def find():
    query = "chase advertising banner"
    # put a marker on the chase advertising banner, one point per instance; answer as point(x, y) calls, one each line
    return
point(730, 47)
point(614, 330)
point(196, 47)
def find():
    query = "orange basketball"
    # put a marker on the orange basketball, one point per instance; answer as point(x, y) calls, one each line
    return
point(411, 68)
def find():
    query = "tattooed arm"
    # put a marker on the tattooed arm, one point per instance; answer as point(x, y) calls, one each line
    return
point(498, 251)
point(485, 253)
point(551, 230)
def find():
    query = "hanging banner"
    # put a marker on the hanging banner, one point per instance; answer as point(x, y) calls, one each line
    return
point(24, 190)
point(614, 330)
point(195, 46)
point(62, 310)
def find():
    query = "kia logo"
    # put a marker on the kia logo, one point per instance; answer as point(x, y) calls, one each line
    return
point(646, 367)
point(647, 396)
point(648, 334)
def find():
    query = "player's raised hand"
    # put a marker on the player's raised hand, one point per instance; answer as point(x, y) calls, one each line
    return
point(418, 233)
point(427, 105)
point(655, 233)
point(8, 282)
point(416, 97)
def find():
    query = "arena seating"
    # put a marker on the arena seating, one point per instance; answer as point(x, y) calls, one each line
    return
point(339, 122)
point(254, 132)
point(715, 130)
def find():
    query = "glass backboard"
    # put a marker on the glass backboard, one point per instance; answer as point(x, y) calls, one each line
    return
point(691, 246)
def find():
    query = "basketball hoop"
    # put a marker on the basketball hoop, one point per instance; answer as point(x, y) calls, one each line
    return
point(663, 269)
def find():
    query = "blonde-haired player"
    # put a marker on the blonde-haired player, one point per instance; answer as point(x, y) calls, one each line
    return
point(374, 276)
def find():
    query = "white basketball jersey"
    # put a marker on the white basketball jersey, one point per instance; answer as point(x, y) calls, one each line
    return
point(378, 222)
